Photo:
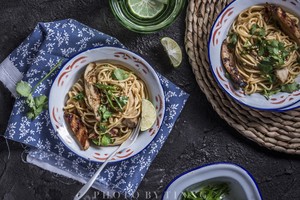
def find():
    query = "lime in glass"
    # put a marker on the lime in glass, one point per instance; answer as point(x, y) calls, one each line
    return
point(146, 16)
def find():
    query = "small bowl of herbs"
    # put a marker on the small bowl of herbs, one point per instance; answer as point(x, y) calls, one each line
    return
point(219, 181)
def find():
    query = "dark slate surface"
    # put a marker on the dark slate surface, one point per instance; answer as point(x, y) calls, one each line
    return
point(199, 137)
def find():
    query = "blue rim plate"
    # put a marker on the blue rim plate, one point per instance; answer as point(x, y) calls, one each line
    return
point(241, 183)
point(278, 102)
point(71, 72)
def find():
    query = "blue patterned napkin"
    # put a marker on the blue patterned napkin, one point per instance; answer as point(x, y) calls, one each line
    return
point(34, 58)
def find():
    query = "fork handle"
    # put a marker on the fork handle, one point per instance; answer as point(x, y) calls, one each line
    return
point(88, 185)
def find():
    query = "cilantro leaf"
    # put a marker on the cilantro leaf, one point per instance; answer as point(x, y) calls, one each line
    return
point(104, 112)
point(265, 66)
point(96, 142)
point(121, 101)
point(119, 74)
point(23, 88)
point(102, 128)
point(258, 31)
point(211, 191)
point(79, 96)
point(268, 93)
point(38, 110)
point(40, 101)
point(291, 87)
point(36, 104)
point(253, 29)
point(30, 101)
point(233, 38)
point(106, 140)
point(30, 115)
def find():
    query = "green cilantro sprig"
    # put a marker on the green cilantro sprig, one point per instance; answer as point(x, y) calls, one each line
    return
point(36, 104)
point(79, 96)
point(209, 192)
point(120, 74)
point(103, 140)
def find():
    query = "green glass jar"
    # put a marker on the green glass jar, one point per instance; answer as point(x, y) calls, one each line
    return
point(165, 17)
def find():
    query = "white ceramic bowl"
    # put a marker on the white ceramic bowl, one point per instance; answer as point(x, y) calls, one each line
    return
point(241, 183)
point(218, 34)
point(71, 72)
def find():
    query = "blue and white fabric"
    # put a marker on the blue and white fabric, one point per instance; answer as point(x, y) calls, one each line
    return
point(31, 61)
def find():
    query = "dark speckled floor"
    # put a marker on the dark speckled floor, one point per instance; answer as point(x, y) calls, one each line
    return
point(199, 136)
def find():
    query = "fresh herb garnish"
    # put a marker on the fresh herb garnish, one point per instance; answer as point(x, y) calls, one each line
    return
point(106, 140)
point(121, 101)
point(258, 31)
point(208, 192)
point(233, 39)
point(291, 87)
point(23, 89)
point(102, 128)
point(265, 66)
point(103, 140)
point(119, 74)
point(270, 53)
point(79, 96)
point(105, 87)
point(104, 112)
point(109, 97)
point(268, 93)
point(36, 104)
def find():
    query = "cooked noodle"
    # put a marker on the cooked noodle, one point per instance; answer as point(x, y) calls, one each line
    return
point(129, 91)
point(247, 27)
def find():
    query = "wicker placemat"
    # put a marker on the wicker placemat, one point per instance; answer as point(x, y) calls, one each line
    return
point(276, 131)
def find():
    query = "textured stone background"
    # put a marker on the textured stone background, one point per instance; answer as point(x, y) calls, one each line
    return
point(199, 136)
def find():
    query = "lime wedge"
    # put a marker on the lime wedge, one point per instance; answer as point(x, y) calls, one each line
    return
point(145, 8)
point(148, 115)
point(173, 50)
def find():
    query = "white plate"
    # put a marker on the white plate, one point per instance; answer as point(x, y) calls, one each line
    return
point(71, 72)
point(241, 183)
point(218, 34)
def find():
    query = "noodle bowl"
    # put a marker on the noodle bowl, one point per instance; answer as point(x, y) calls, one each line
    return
point(262, 50)
point(253, 78)
point(107, 99)
point(64, 85)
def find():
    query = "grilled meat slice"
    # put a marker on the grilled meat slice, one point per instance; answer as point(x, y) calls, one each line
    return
point(78, 129)
point(282, 74)
point(92, 94)
point(229, 64)
point(287, 24)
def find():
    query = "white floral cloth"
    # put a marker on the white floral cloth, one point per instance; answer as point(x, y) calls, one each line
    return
point(32, 60)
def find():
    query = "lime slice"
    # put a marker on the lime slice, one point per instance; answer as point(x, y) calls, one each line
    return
point(162, 1)
point(145, 8)
point(148, 115)
point(173, 50)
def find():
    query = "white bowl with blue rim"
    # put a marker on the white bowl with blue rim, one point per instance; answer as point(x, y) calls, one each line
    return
point(70, 73)
point(281, 101)
point(241, 183)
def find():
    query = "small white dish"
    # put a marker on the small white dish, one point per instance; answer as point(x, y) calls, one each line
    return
point(71, 72)
point(219, 32)
point(241, 183)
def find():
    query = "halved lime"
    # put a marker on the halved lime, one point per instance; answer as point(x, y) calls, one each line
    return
point(173, 50)
point(145, 8)
point(148, 115)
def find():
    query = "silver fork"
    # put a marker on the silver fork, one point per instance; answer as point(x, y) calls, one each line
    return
point(130, 140)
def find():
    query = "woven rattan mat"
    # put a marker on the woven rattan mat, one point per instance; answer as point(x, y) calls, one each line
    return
point(276, 131)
